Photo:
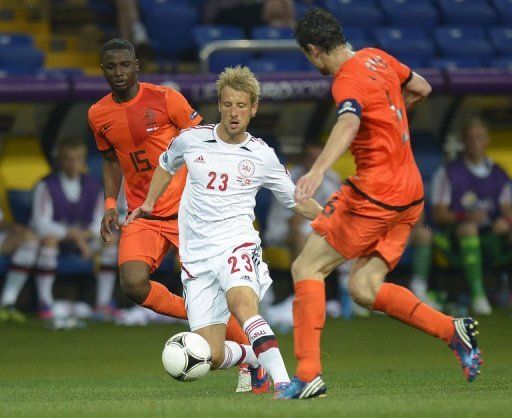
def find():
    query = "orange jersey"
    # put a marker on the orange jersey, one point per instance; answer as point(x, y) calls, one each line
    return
point(370, 85)
point(139, 131)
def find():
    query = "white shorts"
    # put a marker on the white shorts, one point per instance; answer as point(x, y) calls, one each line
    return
point(206, 282)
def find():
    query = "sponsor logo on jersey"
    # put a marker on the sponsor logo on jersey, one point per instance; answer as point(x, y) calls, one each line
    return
point(243, 181)
point(245, 277)
point(246, 168)
point(200, 160)
point(104, 129)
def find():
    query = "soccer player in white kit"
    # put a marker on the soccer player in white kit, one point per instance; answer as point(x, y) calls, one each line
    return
point(222, 270)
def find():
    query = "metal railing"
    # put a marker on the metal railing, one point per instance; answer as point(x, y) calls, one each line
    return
point(244, 45)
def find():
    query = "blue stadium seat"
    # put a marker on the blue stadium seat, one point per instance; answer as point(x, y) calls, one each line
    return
point(20, 203)
point(20, 60)
point(417, 13)
point(357, 37)
point(405, 43)
point(467, 12)
point(363, 14)
point(415, 62)
point(219, 60)
point(15, 39)
point(208, 33)
point(502, 62)
point(504, 8)
point(148, 7)
point(453, 63)
point(463, 42)
point(302, 6)
point(267, 32)
point(501, 39)
point(169, 29)
point(266, 65)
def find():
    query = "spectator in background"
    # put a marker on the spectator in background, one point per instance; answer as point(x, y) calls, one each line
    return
point(250, 13)
point(131, 27)
point(20, 243)
point(290, 231)
point(472, 203)
point(421, 243)
point(66, 215)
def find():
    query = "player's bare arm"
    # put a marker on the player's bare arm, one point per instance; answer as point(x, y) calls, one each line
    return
point(159, 182)
point(112, 177)
point(416, 90)
point(309, 209)
point(341, 136)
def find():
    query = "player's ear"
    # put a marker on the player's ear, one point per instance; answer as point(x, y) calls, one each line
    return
point(136, 64)
point(254, 109)
point(312, 50)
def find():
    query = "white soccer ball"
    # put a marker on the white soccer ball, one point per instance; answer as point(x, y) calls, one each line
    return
point(187, 356)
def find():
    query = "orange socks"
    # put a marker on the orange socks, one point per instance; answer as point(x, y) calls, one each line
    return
point(234, 332)
point(400, 303)
point(308, 322)
point(164, 302)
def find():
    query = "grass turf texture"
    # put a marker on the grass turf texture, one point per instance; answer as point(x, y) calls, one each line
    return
point(374, 367)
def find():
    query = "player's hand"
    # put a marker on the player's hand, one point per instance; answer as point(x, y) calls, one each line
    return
point(307, 186)
point(478, 215)
point(110, 221)
point(139, 212)
point(501, 226)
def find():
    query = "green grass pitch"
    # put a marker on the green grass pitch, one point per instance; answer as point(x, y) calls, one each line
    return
point(374, 367)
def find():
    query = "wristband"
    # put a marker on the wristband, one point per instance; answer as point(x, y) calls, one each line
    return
point(110, 203)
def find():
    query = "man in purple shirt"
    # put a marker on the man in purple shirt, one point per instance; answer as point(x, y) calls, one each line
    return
point(472, 203)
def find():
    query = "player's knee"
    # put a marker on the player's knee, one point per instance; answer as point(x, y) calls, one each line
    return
point(50, 241)
point(302, 269)
point(243, 307)
point(134, 283)
point(363, 290)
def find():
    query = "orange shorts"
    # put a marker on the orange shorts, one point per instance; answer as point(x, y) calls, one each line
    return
point(148, 240)
point(356, 227)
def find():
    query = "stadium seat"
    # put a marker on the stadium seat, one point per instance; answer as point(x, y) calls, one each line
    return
point(357, 37)
point(204, 34)
point(415, 62)
point(363, 14)
point(417, 13)
point(502, 62)
point(501, 39)
point(406, 43)
point(169, 29)
point(504, 8)
point(148, 7)
point(476, 13)
point(267, 32)
point(463, 42)
point(268, 65)
point(282, 60)
point(302, 6)
point(20, 60)
point(15, 39)
point(20, 205)
point(453, 63)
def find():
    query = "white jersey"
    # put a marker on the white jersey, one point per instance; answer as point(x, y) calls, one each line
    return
point(217, 206)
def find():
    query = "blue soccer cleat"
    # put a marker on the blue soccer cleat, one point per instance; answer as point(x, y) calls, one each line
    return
point(298, 389)
point(260, 381)
point(465, 347)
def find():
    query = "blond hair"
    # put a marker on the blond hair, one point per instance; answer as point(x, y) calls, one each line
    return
point(241, 79)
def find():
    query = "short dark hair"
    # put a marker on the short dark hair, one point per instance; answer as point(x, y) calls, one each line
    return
point(320, 28)
point(68, 142)
point(117, 44)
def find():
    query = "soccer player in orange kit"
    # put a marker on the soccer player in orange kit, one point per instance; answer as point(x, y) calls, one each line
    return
point(369, 219)
point(132, 126)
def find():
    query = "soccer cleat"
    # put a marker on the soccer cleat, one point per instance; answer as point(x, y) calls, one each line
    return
point(45, 312)
point(298, 389)
point(244, 379)
point(259, 380)
point(280, 387)
point(465, 347)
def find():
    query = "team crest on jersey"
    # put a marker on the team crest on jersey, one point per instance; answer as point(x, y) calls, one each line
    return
point(246, 168)
point(150, 120)
point(193, 115)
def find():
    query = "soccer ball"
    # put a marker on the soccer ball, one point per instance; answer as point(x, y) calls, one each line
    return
point(187, 356)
